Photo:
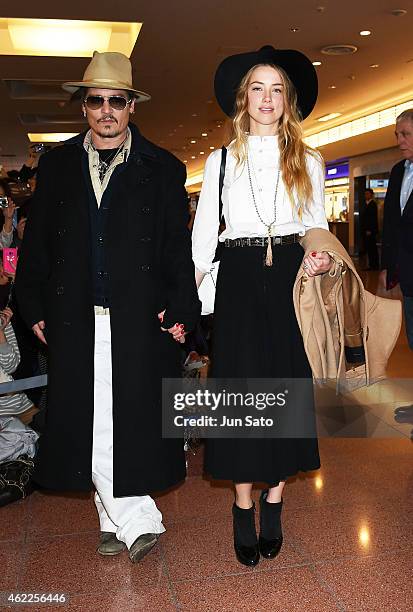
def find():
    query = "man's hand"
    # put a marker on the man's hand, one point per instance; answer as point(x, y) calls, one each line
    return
point(38, 330)
point(33, 158)
point(317, 263)
point(177, 331)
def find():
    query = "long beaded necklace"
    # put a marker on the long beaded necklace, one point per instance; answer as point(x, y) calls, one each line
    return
point(269, 226)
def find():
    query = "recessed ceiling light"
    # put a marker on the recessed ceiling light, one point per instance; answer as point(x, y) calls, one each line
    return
point(339, 50)
point(398, 12)
point(374, 65)
point(332, 87)
point(317, 63)
point(365, 32)
point(212, 148)
point(193, 156)
point(329, 116)
point(66, 37)
point(180, 125)
point(51, 136)
point(204, 134)
point(295, 29)
point(195, 114)
point(193, 141)
point(202, 152)
point(185, 161)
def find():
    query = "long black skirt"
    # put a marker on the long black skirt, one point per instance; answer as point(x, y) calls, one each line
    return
point(256, 335)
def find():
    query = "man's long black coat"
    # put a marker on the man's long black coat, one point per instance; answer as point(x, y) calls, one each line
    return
point(397, 241)
point(150, 268)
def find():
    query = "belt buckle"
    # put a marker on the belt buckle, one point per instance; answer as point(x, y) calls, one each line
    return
point(101, 310)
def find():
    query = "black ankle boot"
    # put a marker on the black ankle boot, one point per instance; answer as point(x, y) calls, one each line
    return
point(271, 538)
point(245, 536)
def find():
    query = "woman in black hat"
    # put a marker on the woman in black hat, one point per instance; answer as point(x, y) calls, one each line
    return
point(273, 191)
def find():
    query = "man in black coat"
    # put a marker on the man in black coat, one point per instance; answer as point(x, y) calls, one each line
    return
point(105, 262)
point(370, 226)
point(397, 249)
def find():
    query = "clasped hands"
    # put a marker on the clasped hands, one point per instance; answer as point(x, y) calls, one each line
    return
point(177, 331)
point(317, 263)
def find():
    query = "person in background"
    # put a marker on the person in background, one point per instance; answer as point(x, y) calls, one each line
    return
point(6, 234)
point(11, 404)
point(397, 241)
point(29, 169)
point(370, 229)
point(267, 207)
point(19, 231)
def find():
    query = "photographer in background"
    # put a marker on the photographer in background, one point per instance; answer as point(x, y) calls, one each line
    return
point(29, 168)
point(7, 207)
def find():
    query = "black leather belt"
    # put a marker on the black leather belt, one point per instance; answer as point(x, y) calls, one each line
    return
point(262, 241)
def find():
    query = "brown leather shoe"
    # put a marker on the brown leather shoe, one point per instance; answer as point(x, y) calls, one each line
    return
point(109, 544)
point(142, 546)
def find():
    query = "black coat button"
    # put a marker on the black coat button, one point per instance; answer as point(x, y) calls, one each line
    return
point(102, 274)
point(144, 180)
point(61, 231)
point(60, 290)
point(146, 209)
point(100, 240)
point(60, 202)
point(145, 268)
point(60, 261)
point(146, 239)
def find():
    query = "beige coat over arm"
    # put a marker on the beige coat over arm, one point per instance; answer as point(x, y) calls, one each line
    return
point(348, 332)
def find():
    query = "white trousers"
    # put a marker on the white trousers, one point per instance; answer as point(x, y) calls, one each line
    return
point(128, 517)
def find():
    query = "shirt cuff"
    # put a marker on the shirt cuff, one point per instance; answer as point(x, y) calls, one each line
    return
point(202, 266)
point(7, 233)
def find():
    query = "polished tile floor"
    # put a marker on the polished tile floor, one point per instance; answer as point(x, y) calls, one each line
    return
point(348, 536)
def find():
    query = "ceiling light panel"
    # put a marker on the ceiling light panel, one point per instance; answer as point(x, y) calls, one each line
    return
point(51, 136)
point(369, 123)
point(329, 116)
point(65, 38)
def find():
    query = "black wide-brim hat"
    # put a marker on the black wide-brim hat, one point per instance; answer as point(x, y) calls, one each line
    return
point(299, 68)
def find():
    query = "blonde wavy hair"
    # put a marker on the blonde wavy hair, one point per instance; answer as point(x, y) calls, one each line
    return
point(293, 150)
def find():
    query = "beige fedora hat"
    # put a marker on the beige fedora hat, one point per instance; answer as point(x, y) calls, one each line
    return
point(108, 70)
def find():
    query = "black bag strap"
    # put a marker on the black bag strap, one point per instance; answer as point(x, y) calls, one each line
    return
point(221, 178)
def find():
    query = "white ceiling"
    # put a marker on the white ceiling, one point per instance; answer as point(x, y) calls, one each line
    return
point(181, 44)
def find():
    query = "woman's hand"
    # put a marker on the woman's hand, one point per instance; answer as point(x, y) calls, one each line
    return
point(5, 316)
point(9, 211)
point(177, 331)
point(317, 263)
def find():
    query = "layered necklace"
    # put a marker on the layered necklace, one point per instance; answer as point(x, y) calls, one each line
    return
point(104, 165)
point(269, 226)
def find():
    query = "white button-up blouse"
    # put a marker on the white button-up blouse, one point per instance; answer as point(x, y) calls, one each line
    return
point(240, 215)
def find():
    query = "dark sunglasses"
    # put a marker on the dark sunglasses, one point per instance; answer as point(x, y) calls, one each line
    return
point(115, 102)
